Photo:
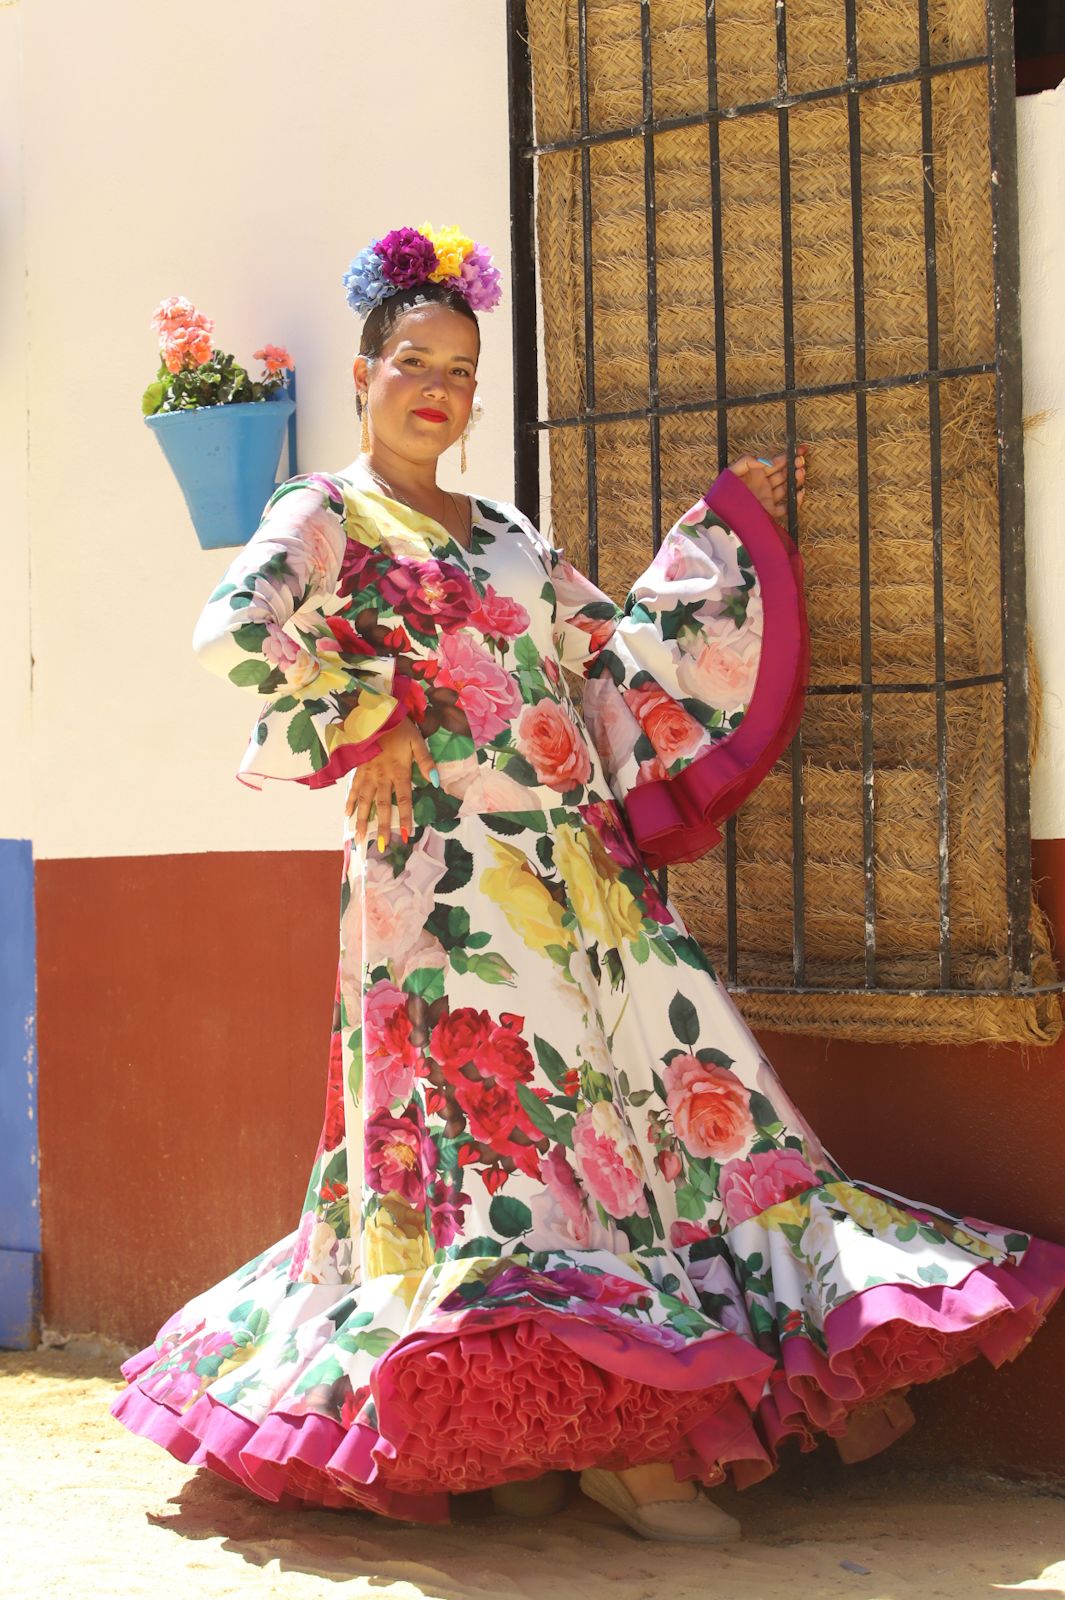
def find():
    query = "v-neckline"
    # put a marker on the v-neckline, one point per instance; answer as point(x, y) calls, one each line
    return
point(372, 487)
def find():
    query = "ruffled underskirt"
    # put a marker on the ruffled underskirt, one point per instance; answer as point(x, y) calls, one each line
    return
point(473, 1394)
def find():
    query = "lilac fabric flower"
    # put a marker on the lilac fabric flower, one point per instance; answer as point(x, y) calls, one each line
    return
point(479, 280)
point(366, 283)
point(407, 257)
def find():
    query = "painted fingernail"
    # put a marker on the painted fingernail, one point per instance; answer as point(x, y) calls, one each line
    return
point(403, 832)
point(434, 777)
point(381, 843)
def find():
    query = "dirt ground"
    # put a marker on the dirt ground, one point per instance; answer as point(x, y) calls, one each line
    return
point(92, 1513)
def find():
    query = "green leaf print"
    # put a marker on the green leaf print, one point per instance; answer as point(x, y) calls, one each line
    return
point(690, 1203)
point(508, 1216)
point(1017, 1243)
point(447, 746)
point(428, 982)
point(550, 1061)
point(526, 654)
point(516, 767)
point(640, 1230)
point(459, 862)
point(249, 674)
point(933, 1274)
point(301, 732)
point(663, 950)
point(538, 1113)
point(322, 1372)
point(764, 1115)
point(640, 948)
point(500, 823)
point(376, 1341)
point(683, 1019)
point(481, 1246)
point(249, 636)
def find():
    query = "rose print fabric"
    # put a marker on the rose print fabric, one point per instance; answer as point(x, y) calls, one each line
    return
point(562, 1212)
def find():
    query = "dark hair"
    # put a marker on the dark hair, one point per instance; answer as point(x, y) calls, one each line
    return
point(379, 325)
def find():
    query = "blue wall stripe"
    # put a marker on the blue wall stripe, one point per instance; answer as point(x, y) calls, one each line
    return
point(20, 1209)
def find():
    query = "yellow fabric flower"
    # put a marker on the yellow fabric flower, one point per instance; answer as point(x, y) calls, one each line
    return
point(869, 1212)
point(373, 519)
point(605, 908)
point(794, 1213)
point(361, 722)
point(530, 909)
point(451, 248)
point(396, 1240)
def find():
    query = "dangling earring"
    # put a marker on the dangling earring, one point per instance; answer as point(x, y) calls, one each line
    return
point(462, 450)
point(364, 412)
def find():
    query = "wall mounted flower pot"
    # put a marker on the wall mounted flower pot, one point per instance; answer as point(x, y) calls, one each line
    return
point(225, 459)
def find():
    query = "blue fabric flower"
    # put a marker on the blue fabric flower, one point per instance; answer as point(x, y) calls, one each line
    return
point(366, 283)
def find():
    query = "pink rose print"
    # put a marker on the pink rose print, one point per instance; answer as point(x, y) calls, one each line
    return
point(486, 694)
point(432, 595)
point(551, 742)
point(709, 1105)
point(394, 910)
point(682, 1234)
point(390, 1058)
point(563, 1217)
point(278, 648)
point(671, 729)
point(747, 1188)
point(724, 672)
point(400, 1155)
point(499, 615)
point(608, 1161)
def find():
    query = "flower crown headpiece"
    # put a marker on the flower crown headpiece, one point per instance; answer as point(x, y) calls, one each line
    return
point(410, 256)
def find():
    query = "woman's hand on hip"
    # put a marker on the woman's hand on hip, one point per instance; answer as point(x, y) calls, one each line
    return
point(767, 479)
point(373, 783)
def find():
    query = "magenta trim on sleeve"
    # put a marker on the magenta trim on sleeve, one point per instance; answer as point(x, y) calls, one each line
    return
point(679, 818)
point(346, 757)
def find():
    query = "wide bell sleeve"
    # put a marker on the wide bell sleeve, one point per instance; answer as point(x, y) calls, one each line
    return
point(271, 627)
point(696, 685)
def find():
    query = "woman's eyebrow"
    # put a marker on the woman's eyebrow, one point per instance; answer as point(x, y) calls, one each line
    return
point(424, 350)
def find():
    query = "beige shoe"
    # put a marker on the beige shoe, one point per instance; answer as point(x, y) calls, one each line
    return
point(531, 1497)
point(695, 1521)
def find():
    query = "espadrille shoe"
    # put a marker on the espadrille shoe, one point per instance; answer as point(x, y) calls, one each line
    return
point(695, 1521)
point(531, 1497)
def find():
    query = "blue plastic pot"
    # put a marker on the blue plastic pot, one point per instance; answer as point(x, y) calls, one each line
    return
point(225, 458)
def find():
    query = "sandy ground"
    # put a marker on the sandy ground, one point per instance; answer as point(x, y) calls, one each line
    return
point(90, 1512)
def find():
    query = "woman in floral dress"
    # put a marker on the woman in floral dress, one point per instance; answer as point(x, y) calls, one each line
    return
point(562, 1213)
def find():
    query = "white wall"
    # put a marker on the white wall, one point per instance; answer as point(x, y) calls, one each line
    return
point(239, 154)
point(1041, 156)
point(15, 727)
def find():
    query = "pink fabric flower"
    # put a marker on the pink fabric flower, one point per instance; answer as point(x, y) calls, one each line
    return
point(684, 1233)
point(389, 1056)
point(563, 1217)
point(499, 615)
point(608, 1161)
point(673, 731)
point(483, 787)
point(551, 742)
point(399, 1155)
point(276, 358)
point(709, 1105)
point(394, 910)
point(747, 1188)
point(486, 694)
point(431, 594)
point(278, 648)
point(724, 672)
point(669, 1165)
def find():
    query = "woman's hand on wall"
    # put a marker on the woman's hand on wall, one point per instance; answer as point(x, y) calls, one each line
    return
point(373, 783)
point(767, 479)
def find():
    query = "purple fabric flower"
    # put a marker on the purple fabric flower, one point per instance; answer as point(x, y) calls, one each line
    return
point(479, 280)
point(407, 257)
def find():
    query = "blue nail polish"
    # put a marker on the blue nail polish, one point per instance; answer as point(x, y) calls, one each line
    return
point(434, 777)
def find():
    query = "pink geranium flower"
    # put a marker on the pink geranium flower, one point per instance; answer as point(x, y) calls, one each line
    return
point(185, 347)
point(275, 357)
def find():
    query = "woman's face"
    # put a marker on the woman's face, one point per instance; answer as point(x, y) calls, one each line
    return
point(422, 385)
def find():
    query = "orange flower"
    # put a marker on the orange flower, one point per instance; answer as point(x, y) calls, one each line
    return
point(186, 347)
point(276, 358)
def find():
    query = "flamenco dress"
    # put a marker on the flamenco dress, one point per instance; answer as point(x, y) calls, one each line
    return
point(562, 1213)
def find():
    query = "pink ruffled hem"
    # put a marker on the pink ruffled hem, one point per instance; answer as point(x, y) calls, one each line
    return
point(680, 818)
point(483, 1397)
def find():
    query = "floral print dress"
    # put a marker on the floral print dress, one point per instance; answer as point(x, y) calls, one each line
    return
point(562, 1212)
